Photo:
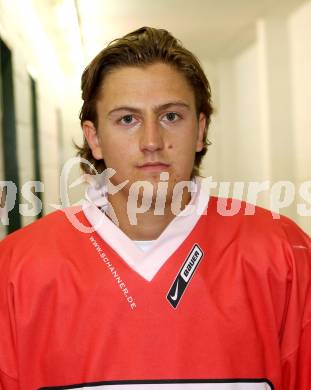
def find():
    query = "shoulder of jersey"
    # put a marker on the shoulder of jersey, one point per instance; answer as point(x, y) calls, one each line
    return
point(261, 225)
point(48, 229)
point(37, 252)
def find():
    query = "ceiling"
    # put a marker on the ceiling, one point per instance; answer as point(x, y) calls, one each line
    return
point(211, 29)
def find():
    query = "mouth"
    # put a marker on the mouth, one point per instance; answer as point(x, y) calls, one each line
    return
point(154, 166)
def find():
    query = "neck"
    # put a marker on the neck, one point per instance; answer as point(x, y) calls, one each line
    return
point(142, 226)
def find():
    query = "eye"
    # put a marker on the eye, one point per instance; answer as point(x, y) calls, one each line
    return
point(126, 119)
point(172, 116)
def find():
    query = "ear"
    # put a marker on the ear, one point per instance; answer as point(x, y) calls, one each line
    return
point(201, 132)
point(91, 135)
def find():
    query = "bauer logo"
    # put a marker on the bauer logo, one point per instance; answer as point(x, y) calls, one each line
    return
point(186, 384)
point(191, 263)
point(184, 275)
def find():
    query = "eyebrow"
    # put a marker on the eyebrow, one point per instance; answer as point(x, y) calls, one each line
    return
point(155, 108)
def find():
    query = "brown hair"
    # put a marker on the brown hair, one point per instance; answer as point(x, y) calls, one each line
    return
point(142, 47)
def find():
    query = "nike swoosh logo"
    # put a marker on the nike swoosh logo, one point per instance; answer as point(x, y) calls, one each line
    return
point(174, 297)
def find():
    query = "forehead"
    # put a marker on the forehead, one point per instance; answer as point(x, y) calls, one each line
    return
point(154, 84)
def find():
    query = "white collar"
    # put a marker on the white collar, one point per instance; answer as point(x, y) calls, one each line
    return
point(146, 264)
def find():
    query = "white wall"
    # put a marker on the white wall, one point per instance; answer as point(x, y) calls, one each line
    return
point(262, 125)
point(239, 151)
point(299, 34)
point(22, 97)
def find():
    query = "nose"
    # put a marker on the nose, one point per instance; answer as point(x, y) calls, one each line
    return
point(151, 137)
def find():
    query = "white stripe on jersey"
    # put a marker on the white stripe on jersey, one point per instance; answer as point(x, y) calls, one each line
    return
point(183, 386)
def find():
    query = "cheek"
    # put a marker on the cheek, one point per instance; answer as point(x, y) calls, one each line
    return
point(120, 156)
point(184, 155)
point(186, 139)
point(113, 147)
point(183, 147)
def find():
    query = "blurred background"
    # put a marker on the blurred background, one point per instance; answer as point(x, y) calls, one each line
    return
point(257, 57)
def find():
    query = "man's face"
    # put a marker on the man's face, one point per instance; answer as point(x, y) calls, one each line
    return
point(147, 124)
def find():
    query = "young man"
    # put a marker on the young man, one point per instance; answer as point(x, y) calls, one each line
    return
point(159, 291)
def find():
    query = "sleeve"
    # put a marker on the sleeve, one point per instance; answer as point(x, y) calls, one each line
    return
point(296, 367)
point(296, 335)
point(8, 365)
point(7, 383)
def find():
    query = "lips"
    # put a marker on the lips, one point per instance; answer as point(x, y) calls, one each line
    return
point(153, 166)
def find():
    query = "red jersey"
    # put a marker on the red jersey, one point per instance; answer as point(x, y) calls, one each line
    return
point(229, 308)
